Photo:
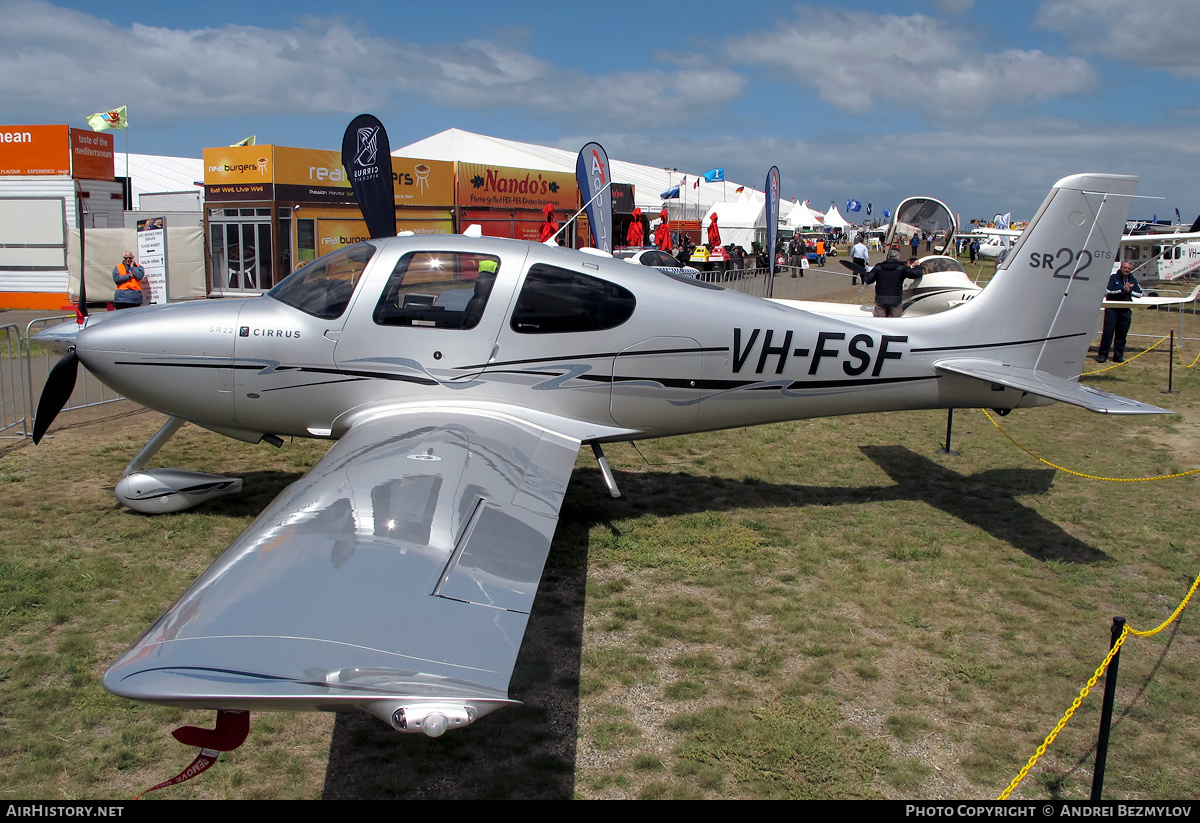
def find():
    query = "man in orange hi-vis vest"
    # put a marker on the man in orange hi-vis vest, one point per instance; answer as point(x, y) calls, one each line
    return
point(128, 276)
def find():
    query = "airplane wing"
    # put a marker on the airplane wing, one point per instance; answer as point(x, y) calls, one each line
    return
point(1148, 301)
point(398, 573)
point(1166, 238)
point(1046, 385)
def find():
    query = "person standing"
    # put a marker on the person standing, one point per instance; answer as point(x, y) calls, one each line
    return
point(859, 255)
point(1122, 287)
point(889, 277)
point(915, 241)
point(549, 228)
point(128, 276)
point(796, 252)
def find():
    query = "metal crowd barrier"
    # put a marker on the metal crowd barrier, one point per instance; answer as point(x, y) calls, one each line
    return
point(24, 366)
point(13, 409)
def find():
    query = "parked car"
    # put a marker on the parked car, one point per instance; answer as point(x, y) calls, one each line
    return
point(656, 259)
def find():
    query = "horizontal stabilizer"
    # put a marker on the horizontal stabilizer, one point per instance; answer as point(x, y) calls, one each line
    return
point(1046, 385)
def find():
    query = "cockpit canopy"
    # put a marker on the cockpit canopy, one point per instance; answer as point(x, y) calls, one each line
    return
point(323, 287)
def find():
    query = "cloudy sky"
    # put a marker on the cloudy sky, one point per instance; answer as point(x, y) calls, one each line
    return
point(984, 105)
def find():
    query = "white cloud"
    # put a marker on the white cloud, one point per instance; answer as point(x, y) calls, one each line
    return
point(857, 60)
point(1159, 35)
point(81, 61)
point(978, 169)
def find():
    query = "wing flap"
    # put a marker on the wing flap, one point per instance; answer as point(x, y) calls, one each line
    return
point(331, 597)
point(1046, 385)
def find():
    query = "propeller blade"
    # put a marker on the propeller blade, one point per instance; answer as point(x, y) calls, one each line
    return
point(56, 393)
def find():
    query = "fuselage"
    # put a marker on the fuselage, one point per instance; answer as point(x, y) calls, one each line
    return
point(620, 351)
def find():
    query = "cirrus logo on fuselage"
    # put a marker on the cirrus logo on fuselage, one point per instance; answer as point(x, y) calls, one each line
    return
point(247, 331)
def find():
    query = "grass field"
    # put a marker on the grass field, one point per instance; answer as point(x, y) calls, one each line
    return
point(817, 609)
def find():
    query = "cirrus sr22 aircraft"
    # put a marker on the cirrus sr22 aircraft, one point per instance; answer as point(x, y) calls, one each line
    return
point(459, 377)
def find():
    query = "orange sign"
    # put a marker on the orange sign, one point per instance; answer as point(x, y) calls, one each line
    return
point(334, 233)
point(92, 155)
point(317, 176)
point(56, 150)
point(34, 150)
point(484, 186)
point(237, 164)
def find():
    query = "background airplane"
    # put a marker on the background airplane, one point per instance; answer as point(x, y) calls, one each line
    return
point(1161, 256)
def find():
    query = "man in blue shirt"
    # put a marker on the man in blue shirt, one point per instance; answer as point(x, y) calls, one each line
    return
point(1123, 287)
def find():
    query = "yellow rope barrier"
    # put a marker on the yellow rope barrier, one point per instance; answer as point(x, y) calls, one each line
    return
point(1127, 360)
point(1081, 474)
point(1187, 365)
point(1083, 693)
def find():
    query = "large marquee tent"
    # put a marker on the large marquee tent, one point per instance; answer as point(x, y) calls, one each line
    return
point(648, 181)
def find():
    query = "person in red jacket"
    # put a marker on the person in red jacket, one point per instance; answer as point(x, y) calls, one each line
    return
point(550, 227)
point(636, 234)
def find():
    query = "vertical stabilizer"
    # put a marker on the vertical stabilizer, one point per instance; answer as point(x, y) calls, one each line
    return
point(1051, 284)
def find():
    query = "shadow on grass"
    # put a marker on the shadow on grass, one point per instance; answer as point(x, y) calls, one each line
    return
point(987, 500)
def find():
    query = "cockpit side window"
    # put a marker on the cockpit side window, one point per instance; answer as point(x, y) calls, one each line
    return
point(438, 289)
point(555, 300)
point(323, 287)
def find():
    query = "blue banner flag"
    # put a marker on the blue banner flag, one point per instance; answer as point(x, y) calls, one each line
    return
point(772, 214)
point(595, 188)
point(887, 214)
point(853, 205)
point(868, 208)
point(714, 176)
point(670, 194)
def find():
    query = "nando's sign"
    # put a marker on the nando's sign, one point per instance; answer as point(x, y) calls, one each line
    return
point(485, 186)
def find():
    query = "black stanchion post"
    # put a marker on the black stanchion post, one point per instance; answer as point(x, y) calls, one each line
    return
point(1170, 366)
point(1110, 693)
point(949, 429)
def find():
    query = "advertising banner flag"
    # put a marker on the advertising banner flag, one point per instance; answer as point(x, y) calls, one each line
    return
point(772, 191)
point(594, 176)
point(252, 140)
point(105, 120)
point(367, 157)
point(853, 205)
point(714, 176)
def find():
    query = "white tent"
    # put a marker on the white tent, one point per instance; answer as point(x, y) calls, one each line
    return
point(648, 181)
point(155, 173)
point(802, 217)
point(737, 220)
point(834, 219)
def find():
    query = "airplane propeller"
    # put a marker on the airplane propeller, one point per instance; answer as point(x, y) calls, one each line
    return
point(61, 381)
point(56, 393)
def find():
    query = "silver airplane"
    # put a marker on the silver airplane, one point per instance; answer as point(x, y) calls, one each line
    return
point(459, 377)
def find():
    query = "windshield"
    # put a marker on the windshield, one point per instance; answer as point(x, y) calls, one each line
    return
point(927, 218)
point(323, 287)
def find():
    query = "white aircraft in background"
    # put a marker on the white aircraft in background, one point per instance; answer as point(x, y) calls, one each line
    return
point(944, 285)
point(994, 242)
point(1161, 256)
point(460, 376)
